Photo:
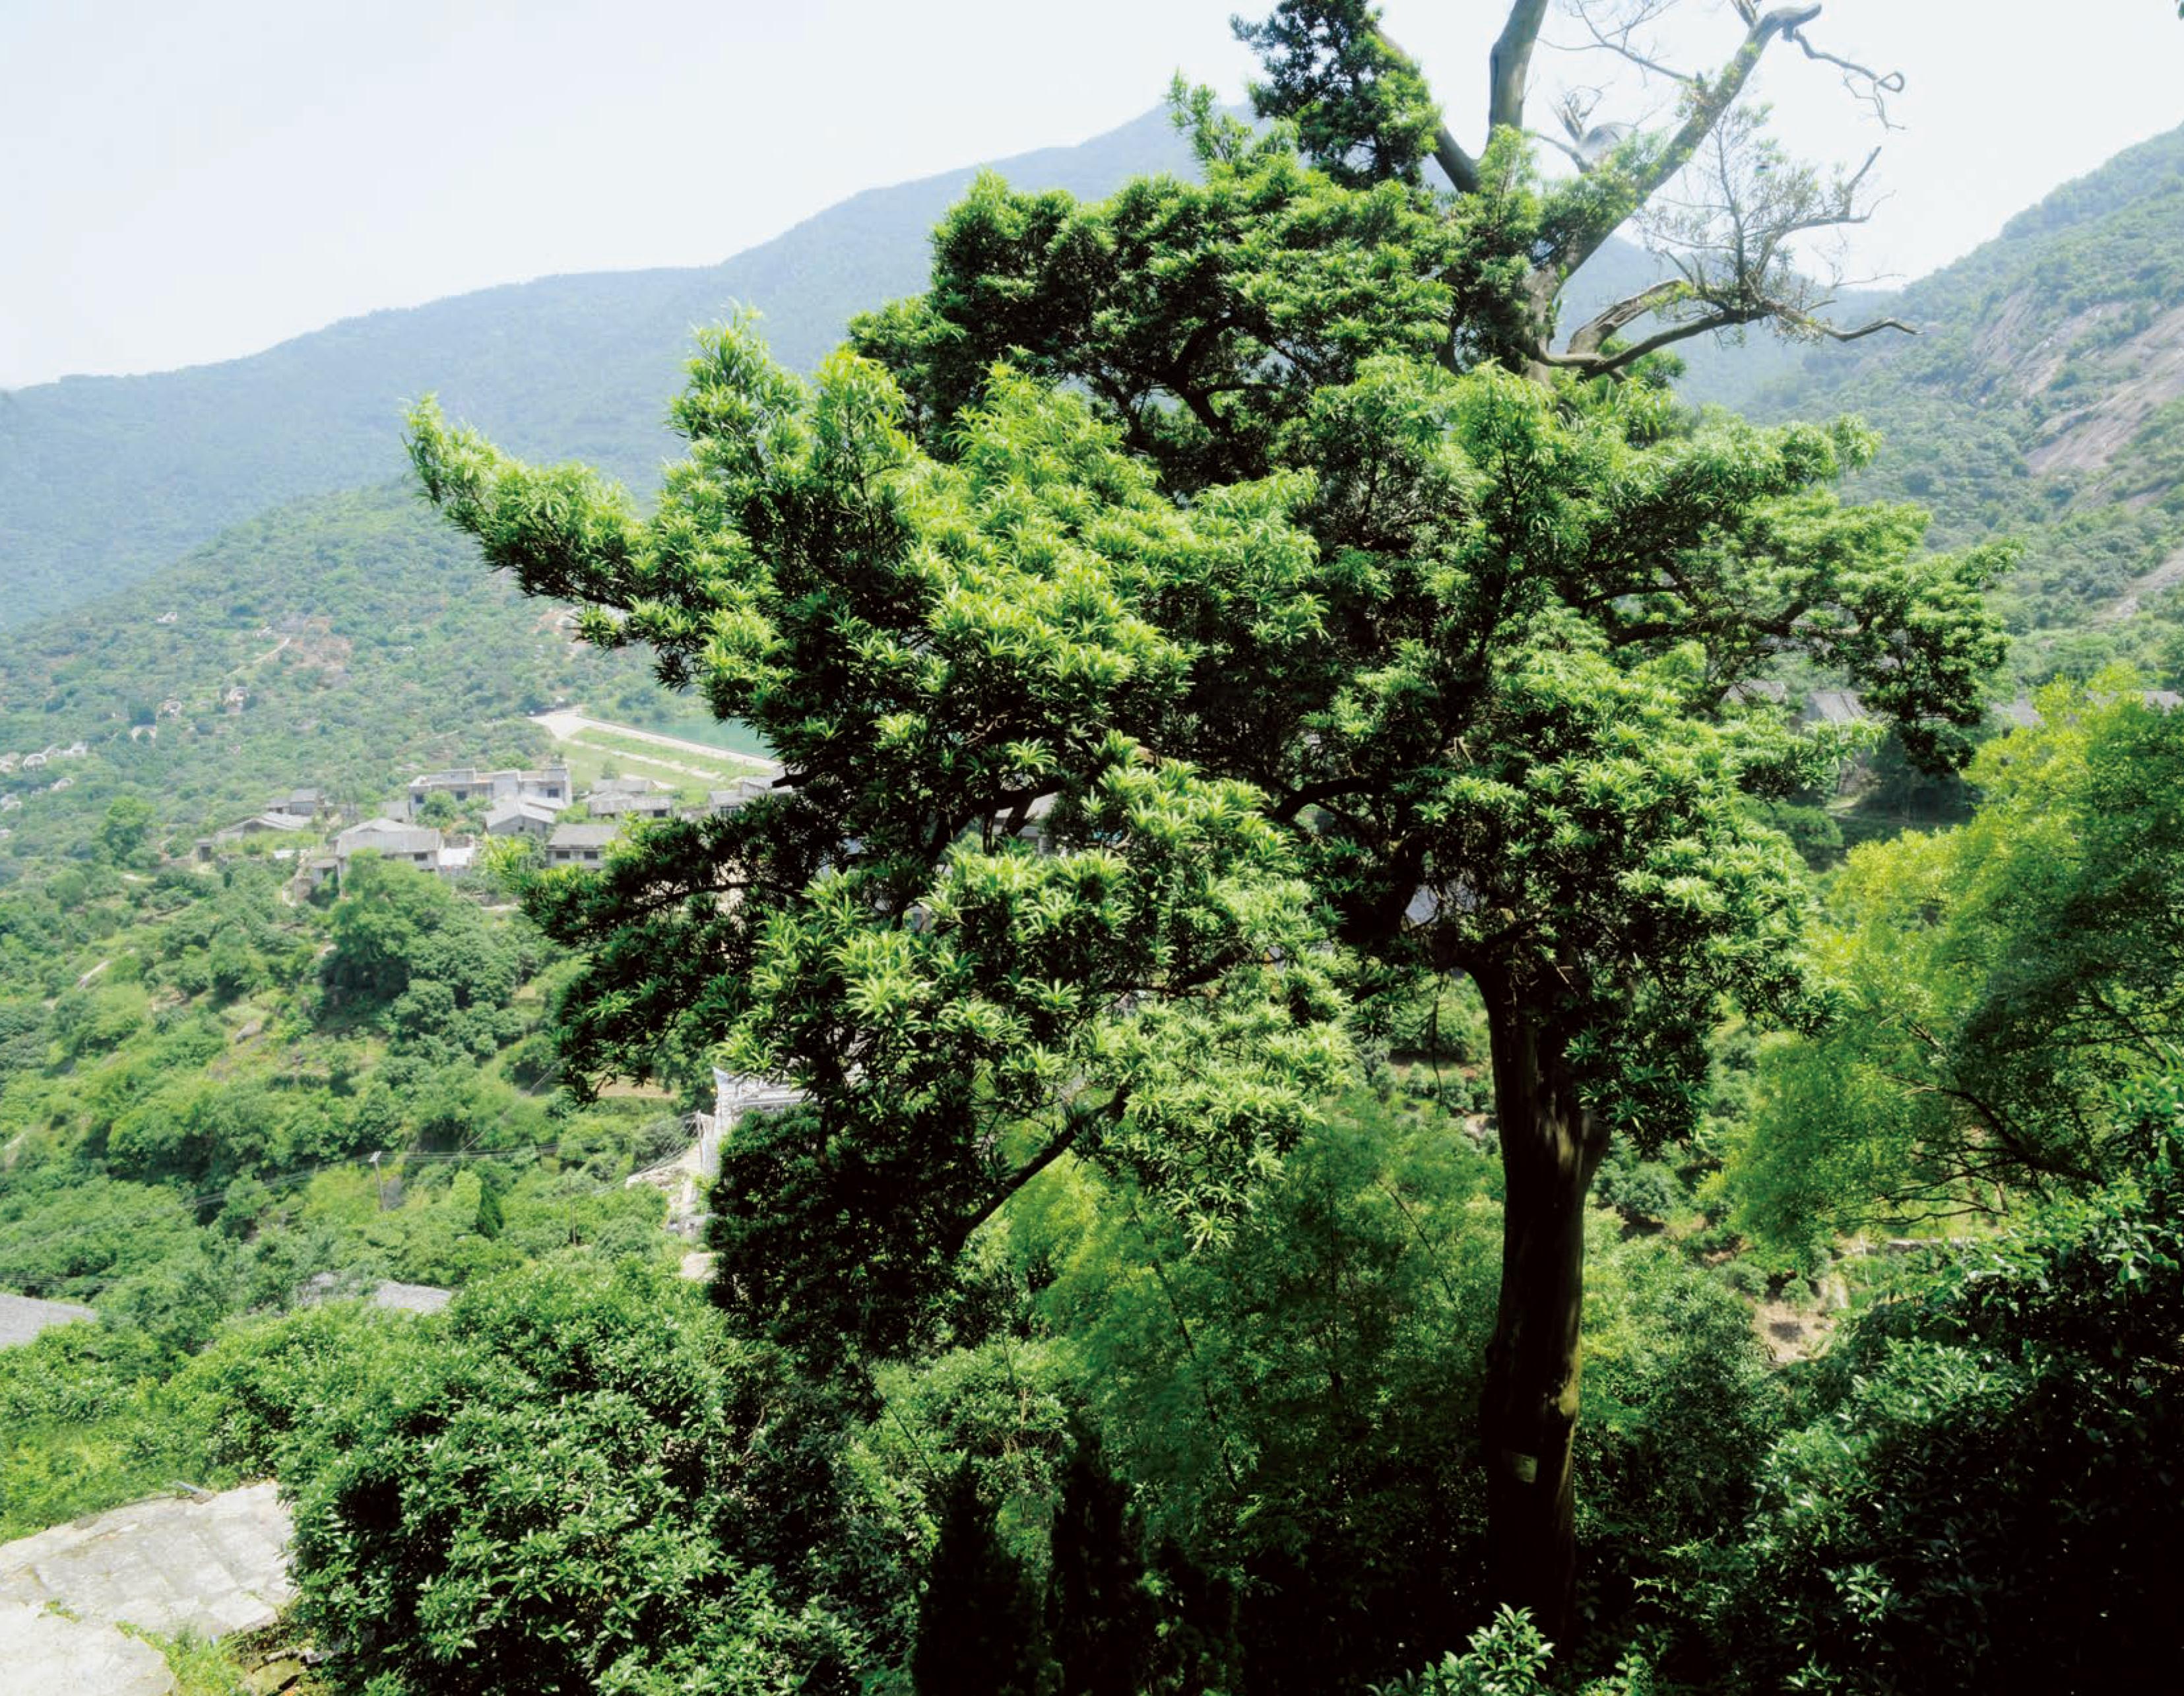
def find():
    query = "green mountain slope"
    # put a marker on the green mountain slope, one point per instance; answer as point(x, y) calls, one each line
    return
point(104, 479)
point(367, 644)
point(2045, 395)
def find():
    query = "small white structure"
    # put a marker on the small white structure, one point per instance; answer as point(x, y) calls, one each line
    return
point(686, 1178)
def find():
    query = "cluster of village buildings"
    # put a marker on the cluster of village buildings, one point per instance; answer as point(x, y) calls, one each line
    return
point(514, 803)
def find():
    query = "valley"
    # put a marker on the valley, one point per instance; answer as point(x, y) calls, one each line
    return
point(1263, 859)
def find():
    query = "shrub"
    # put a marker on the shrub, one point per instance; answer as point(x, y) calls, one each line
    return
point(1986, 1496)
point(569, 1484)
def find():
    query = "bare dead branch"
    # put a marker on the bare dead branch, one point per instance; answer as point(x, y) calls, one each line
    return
point(1617, 39)
point(1868, 85)
point(1596, 363)
point(1588, 338)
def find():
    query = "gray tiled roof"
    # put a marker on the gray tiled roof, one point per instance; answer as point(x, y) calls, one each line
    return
point(538, 811)
point(389, 836)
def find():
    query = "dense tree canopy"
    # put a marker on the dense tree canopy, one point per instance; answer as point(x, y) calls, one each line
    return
point(2003, 981)
point(1234, 538)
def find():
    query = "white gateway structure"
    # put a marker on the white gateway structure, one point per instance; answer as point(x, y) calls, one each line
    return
point(684, 1179)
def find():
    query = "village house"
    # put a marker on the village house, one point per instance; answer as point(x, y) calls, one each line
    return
point(305, 804)
point(257, 824)
point(630, 798)
point(579, 844)
point(721, 802)
point(520, 817)
point(464, 784)
point(391, 839)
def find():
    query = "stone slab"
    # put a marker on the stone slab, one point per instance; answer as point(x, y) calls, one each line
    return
point(214, 1565)
point(44, 1654)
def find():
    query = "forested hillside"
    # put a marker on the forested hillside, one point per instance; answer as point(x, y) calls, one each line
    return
point(1310, 1097)
point(104, 480)
point(2044, 396)
point(342, 643)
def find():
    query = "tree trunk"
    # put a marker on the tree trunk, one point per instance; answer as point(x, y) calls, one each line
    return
point(1550, 1147)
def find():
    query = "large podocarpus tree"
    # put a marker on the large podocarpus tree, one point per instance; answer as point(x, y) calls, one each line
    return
point(1250, 543)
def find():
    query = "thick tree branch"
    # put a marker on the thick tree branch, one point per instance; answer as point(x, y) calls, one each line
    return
point(1588, 336)
point(1509, 65)
point(1607, 364)
point(1456, 164)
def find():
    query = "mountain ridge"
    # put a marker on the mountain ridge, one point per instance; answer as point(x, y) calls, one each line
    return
point(103, 479)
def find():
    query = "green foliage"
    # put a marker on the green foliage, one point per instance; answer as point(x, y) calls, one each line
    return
point(1982, 1494)
point(127, 825)
point(1507, 1657)
point(1999, 981)
point(1282, 1402)
point(564, 1487)
point(1363, 113)
point(66, 1236)
point(977, 1618)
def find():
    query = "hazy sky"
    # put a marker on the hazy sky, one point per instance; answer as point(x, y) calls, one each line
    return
point(191, 180)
